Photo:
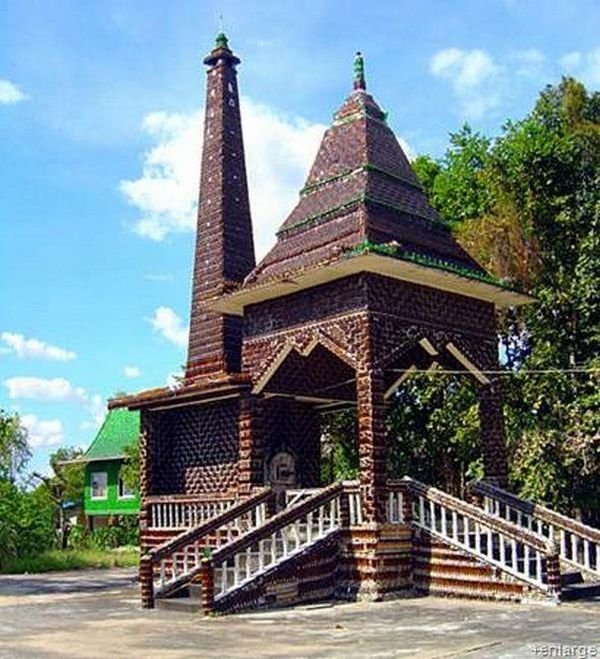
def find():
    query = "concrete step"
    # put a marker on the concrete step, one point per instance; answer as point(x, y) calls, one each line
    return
point(467, 573)
point(581, 591)
point(192, 590)
point(181, 604)
point(570, 578)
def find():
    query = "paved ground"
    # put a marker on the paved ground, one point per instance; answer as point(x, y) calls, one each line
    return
point(96, 614)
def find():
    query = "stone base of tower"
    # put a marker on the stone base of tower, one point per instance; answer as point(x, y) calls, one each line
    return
point(375, 561)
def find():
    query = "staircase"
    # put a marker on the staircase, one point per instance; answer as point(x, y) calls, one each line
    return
point(318, 547)
point(577, 545)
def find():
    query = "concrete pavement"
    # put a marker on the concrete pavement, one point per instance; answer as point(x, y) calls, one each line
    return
point(96, 614)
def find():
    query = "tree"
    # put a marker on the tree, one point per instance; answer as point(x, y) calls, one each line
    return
point(14, 449)
point(527, 206)
point(64, 487)
point(130, 471)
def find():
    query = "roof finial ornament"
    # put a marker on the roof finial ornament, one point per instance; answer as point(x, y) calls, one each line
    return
point(359, 72)
point(221, 41)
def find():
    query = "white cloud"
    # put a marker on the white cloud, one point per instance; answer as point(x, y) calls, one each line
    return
point(97, 409)
point(34, 348)
point(43, 433)
point(279, 151)
point(132, 372)
point(51, 390)
point(10, 93)
point(585, 66)
point(473, 76)
point(529, 63)
point(169, 324)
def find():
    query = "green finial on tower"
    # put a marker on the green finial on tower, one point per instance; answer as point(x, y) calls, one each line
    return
point(359, 72)
point(221, 41)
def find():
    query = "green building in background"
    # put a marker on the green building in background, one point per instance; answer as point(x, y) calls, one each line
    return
point(105, 492)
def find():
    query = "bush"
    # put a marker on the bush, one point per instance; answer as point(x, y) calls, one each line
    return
point(122, 531)
point(26, 523)
point(71, 559)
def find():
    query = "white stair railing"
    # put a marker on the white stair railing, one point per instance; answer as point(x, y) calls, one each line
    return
point(176, 561)
point(578, 544)
point(495, 541)
point(283, 536)
point(183, 513)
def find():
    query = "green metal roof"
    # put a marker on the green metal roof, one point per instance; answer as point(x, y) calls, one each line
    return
point(121, 428)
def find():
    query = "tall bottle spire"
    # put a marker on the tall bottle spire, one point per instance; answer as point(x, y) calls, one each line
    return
point(224, 244)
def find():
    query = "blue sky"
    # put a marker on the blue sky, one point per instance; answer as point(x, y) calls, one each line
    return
point(100, 123)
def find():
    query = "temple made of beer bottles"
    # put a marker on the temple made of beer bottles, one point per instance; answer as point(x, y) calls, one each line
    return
point(364, 286)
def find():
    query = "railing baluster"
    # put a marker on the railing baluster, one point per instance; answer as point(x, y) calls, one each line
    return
point(526, 558)
point(586, 554)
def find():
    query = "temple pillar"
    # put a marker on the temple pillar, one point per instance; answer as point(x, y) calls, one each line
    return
point(493, 446)
point(251, 444)
point(370, 391)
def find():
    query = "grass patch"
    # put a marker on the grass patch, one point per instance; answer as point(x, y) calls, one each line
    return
point(73, 559)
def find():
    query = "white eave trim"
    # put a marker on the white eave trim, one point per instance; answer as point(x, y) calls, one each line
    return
point(415, 273)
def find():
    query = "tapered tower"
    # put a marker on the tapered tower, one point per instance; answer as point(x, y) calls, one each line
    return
point(224, 252)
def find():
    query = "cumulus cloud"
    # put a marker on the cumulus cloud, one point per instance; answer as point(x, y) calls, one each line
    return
point(25, 348)
point(279, 151)
point(170, 326)
point(131, 372)
point(41, 389)
point(473, 76)
point(585, 66)
point(10, 93)
point(43, 433)
point(529, 63)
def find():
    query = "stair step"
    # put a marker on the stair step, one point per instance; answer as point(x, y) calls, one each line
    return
point(570, 578)
point(581, 591)
point(182, 604)
point(480, 575)
point(193, 591)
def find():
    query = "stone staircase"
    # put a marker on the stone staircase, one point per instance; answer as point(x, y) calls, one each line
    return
point(577, 545)
point(318, 547)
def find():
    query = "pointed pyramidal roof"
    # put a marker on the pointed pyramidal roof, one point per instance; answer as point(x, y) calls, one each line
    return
point(362, 197)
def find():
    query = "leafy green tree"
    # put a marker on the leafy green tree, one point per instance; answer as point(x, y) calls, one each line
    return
point(64, 487)
point(130, 470)
point(532, 216)
point(14, 449)
point(26, 523)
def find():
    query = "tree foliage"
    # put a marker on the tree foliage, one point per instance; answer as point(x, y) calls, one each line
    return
point(14, 449)
point(526, 205)
point(130, 470)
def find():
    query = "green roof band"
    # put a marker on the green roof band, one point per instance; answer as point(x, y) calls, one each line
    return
point(395, 251)
point(363, 198)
